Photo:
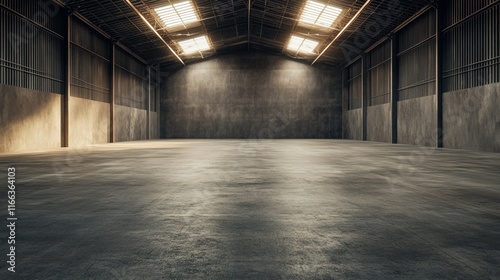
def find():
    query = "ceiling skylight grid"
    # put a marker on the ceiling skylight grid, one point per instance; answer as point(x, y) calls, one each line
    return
point(302, 45)
point(179, 14)
point(318, 14)
point(195, 45)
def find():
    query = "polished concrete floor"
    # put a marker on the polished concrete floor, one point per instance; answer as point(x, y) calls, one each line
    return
point(277, 209)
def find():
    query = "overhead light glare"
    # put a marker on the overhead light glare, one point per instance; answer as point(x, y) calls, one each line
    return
point(195, 45)
point(318, 14)
point(179, 14)
point(302, 45)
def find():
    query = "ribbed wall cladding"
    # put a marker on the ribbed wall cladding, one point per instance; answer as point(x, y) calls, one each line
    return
point(471, 53)
point(131, 81)
point(379, 74)
point(417, 57)
point(32, 50)
point(472, 36)
point(33, 55)
point(90, 63)
point(355, 85)
point(43, 12)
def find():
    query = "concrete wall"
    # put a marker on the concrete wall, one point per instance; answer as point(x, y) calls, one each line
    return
point(251, 95)
point(417, 121)
point(471, 118)
point(353, 124)
point(379, 123)
point(89, 122)
point(130, 124)
point(29, 119)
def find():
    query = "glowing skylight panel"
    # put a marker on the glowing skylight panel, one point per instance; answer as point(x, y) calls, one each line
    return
point(319, 14)
point(195, 45)
point(302, 45)
point(179, 14)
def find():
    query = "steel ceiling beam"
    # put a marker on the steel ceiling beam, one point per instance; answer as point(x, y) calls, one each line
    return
point(154, 30)
point(343, 30)
point(225, 22)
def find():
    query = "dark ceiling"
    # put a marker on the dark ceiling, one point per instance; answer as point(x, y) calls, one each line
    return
point(226, 23)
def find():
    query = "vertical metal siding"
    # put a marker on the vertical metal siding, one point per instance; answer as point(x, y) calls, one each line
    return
point(417, 57)
point(90, 63)
point(354, 85)
point(131, 81)
point(379, 74)
point(32, 53)
point(472, 44)
point(43, 12)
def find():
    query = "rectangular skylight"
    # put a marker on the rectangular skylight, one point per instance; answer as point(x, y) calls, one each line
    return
point(302, 45)
point(318, 14)
point(179, 14)
point(195, 45)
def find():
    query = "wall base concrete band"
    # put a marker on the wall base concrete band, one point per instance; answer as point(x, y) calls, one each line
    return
point(89, 122)
point(130, 124)
point(251, 95)
point(471, 118)
point(154, 131)
point(417, 123)
point(353, 124)
point(29, 119)
point(379, 123)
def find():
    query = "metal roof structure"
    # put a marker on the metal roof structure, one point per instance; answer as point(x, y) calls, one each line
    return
point(231, 25)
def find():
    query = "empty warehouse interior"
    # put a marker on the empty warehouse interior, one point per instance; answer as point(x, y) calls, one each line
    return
point(250, 139)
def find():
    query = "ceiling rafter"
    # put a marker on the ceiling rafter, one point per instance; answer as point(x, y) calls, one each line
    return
point(230, 25)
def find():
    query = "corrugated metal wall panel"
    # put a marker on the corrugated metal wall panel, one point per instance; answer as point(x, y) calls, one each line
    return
point(32, 56)
point(354, 83)
point(131, 81)
point(379, 74)
point(44, 12)
point(471, 39)
point(90, 63)
point(417, 57)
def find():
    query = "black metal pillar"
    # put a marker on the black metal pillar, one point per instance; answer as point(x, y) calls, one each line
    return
point(67, 93)
point(112, 95)
point(394, 88)
point(439, 89)
point(148, 130)
point(364, 93)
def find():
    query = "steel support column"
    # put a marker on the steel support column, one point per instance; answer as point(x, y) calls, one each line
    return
point(394, 89)
point(364, 93)
point(67, 93)
point(158, 100)
point(344, 100)
point(112, 94)
point(439, 71)
point(148, 129)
